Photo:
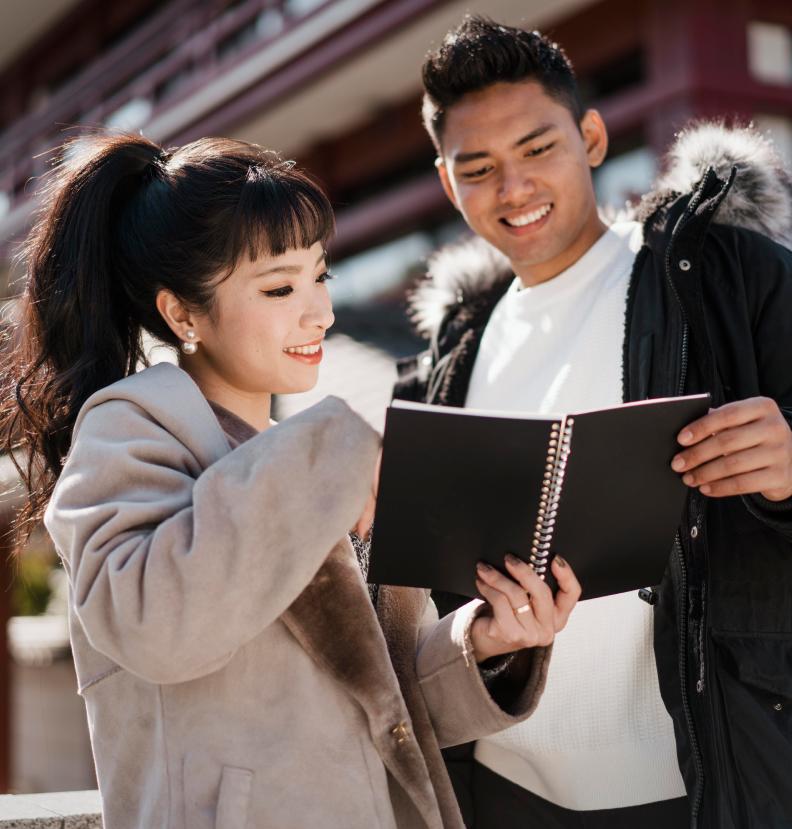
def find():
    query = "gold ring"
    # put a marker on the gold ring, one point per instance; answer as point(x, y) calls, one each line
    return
point(523, 608)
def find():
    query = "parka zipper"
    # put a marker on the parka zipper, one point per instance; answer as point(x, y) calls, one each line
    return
point(683, 664)
point(698, 761)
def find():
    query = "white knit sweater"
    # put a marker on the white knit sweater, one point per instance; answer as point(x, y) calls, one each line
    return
point(601, 737)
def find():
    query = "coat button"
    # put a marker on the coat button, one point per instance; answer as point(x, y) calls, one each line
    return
point(401, 733)
point(778, 707)
point(684, 265)
point(426, 359)
point(694, 532)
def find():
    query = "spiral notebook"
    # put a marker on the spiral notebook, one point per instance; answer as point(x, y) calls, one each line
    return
point(459, 485)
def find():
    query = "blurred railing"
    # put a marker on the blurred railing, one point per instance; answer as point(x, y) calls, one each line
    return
point(166, 59)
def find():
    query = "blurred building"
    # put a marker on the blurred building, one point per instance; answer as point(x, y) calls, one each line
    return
point(335, 84)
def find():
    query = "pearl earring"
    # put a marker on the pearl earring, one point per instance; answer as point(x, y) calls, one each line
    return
point(189, 347)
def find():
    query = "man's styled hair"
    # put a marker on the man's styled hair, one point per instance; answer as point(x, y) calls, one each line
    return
point(479, 53)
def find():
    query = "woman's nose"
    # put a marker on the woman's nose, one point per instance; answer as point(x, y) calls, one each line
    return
point(320, 313)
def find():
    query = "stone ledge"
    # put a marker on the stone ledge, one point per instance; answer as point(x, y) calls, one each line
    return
point(55, 810)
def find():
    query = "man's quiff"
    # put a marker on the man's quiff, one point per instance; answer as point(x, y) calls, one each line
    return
point(479, 53)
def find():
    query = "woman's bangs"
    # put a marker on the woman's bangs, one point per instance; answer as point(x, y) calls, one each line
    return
point(277, 213)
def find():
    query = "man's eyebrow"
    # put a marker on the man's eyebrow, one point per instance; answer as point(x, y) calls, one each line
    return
point(287, 269)
point(539, 131)
point(462, 158)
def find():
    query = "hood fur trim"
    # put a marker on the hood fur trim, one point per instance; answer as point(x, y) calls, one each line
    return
point(760, 199)
point(455, 273)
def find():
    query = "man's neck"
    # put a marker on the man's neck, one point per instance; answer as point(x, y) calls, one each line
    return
point(535, 274)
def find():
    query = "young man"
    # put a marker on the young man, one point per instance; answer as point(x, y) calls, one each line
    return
point(675, 711)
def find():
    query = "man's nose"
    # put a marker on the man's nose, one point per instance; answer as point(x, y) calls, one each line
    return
point(516, 186)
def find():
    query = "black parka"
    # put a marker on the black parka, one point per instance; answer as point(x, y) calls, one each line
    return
point(709, 308)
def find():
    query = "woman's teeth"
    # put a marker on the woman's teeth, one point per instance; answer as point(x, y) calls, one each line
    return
point(304, 349)
point(529, 218)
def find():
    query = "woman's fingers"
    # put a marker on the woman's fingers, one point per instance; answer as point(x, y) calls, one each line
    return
point(363, 526)
point(568, 591)
point(540, 593)
point(503, 626)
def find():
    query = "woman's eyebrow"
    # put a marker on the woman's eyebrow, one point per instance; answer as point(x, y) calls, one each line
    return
point(287, 269)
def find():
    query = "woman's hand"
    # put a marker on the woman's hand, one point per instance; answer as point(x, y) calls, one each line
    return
point(363, 526)
point(522, 612)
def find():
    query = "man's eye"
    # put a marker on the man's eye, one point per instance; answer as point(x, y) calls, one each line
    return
point(476, 173)
point(279, 292)
point(539, 150)
point(325, 277)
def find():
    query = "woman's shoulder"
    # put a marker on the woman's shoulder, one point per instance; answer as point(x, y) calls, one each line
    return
point(161, 399)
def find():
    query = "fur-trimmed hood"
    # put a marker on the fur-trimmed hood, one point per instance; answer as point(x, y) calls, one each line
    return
point(760, 199)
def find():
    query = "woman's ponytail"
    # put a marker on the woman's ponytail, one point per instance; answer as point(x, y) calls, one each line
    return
point(74, 332)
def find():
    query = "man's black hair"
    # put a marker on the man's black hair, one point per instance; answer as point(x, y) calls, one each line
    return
point(479, 53)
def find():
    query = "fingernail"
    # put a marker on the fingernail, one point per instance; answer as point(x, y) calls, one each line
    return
point(483, 566)
point(561, 561)
point(705, 489)
point(687, 479)
point(513, 560)
point(678, 464)
point(686, 436)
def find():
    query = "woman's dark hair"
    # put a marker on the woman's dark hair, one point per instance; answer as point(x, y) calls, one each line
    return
point(479, 53)
point(121, 219)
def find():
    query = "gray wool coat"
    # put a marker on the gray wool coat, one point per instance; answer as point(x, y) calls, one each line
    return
point(235, 672)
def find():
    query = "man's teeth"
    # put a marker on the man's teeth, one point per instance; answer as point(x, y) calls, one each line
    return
point(529, 218)
point(304, 349)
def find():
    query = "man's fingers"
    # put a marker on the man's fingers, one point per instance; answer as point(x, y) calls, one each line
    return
point(568, 592)
point(747, 484)
point(724, 443)
point(739, 463)
point(727, 416)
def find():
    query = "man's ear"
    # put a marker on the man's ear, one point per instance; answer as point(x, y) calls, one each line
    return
point(442, 171)
point(595, 137)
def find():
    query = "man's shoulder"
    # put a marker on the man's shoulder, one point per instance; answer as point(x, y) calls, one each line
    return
point(461, 278)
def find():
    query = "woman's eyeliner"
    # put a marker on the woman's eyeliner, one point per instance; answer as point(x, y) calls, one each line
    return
point(285, 290)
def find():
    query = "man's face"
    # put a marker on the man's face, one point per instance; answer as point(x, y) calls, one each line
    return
point(518, 168)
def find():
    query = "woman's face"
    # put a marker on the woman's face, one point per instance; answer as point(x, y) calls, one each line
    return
point(265, 332)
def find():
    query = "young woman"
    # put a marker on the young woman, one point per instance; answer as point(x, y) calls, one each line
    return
point(235, 670)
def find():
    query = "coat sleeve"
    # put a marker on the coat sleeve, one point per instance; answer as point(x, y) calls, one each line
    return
point(770, 297)
point(173, 568)
point(461, 705)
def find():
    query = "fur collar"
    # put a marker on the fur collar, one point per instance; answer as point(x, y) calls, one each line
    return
point(760, 199)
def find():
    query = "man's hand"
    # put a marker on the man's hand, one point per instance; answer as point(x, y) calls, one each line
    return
point(742, 448)
point(522, 611)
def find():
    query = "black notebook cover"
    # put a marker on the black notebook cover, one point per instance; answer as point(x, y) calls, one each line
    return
point(459, 486)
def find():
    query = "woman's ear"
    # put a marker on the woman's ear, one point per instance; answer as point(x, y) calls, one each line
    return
point(177, 317)
point(595, 137)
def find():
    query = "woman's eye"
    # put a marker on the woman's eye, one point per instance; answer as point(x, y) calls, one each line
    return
point(279, 292)
point(325, 277)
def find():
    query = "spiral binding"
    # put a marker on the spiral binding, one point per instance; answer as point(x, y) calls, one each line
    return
point(559, 447)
